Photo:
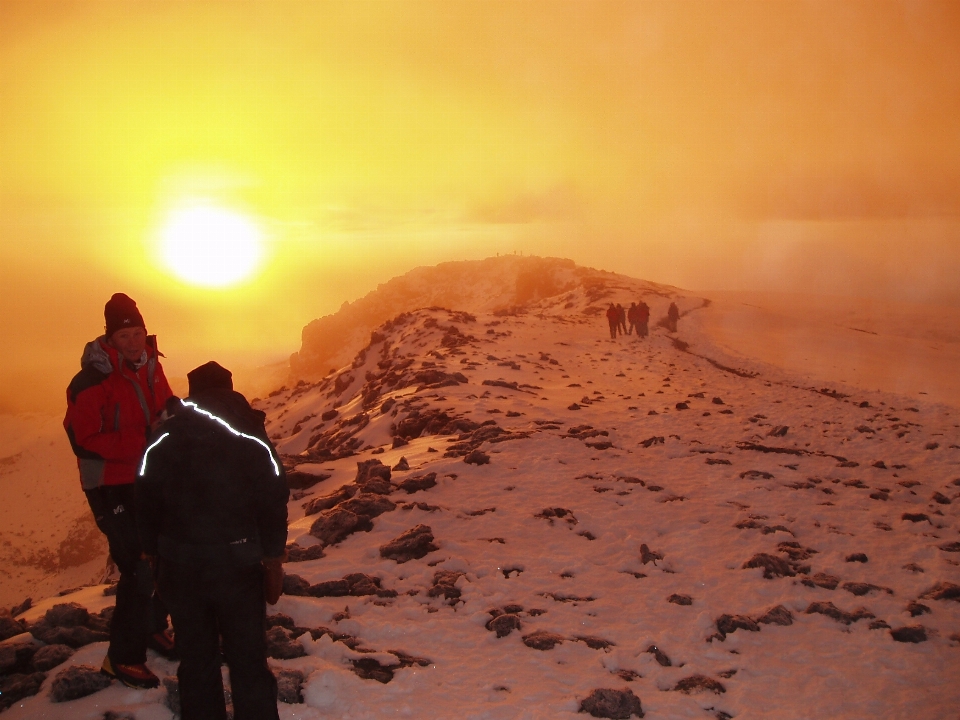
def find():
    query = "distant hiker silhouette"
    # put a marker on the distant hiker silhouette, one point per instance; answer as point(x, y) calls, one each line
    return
point(613, 318)
point(673, 314)
point(643, 317)
point(632, 317)
point(621, 319)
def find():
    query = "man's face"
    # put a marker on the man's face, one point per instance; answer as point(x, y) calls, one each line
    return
point(129, 342)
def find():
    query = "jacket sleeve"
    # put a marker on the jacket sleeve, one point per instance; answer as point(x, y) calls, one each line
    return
point(272, 496)
point(88, 417)
point(148, 489)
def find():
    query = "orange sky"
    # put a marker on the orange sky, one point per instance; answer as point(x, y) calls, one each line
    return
point(755, 145)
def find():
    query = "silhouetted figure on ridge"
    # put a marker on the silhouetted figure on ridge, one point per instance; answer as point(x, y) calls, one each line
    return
point(673, 314)
point(632, 317)
point(643, 317)
point(621, 319)
point(613, 318)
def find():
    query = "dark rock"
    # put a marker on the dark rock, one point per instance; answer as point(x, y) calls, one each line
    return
point(832, 611)
point(295, 585)
point(66, 615)
point(281, 646)
point(49, 656)
point(289, 685)
point(504, 624)
point(542, 640)
point(593, 642)
point(699, 683)
point(655, 440)
point(75, 637)
point(823, 580)
point(910, 634)
point(445, 583)
point(860, 589)
point(297, 480)
point(295, 553)
point(659, 655)
point(399, 442)
point(418, 482)
point(648, 555)
point(614, 704)
point(857, 557)
point(878, 625)
point(778, 615)
point(8, 626)
point(330, 588)
point(370, 669)
point(22, 607)
point(18, 686)
point(402, 465)
point(370, 469)
point(942, 591)
point(950, 547)
point(680, 599)
point(477, 457)
point(771, 564)
point(414, 543)
point(682, 406)
point(727, 624)
point(335, 524)
point(717, 401)
point(77, 681)
point(368, 505)
point(328, 501)
point(915, 517)
point(940, 498)
point(779, 431)
point(330, 414)
point(915, 609)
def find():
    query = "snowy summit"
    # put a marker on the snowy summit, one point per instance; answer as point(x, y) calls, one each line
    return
point(499, 512)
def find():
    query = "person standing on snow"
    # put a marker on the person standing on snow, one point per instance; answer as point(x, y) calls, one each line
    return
point(632, 317)
point(613, 318)
point(643, 317)
point(213, 496)
point(112, 403)
point(621, 319)
point(673, 314)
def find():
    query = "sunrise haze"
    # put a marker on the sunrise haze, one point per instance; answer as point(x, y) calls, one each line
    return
point(791, 146)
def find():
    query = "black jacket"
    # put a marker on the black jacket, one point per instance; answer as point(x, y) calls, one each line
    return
point(211, 489)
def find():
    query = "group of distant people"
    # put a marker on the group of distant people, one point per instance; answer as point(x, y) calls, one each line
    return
point(638, 315)
point(192, 499)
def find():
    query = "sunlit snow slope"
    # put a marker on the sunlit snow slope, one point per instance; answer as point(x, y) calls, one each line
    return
point(566, 513)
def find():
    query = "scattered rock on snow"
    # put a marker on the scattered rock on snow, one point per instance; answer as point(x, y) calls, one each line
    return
point(289, 685)
point(910, 634)
point(542, 640)
point(726, 624)
point(410, 545)
point(942, 591)
point(49, 656)
point(771, 564)
point(281, 646)
point(659, 656)
point(832, 611)
point(699, 683)
point(77, 681)
point(614, 704)
point(777, 615)
point(18, 686)
point(677, 599)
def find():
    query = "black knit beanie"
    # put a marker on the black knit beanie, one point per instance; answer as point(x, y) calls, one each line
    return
point(121, 312)
point(209, 376)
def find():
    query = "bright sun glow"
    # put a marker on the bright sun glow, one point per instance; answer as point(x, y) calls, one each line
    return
point(210, 246)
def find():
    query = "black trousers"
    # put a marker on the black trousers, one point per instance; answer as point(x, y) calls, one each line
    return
point(208, 603)
point(139, 612)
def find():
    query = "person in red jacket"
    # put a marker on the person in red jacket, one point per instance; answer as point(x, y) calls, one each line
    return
point(112, 404)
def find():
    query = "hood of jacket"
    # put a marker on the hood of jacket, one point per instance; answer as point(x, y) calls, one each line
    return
point(98, 354)
point(233, 408)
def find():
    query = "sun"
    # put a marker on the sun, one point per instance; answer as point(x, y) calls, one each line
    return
point(210, 246)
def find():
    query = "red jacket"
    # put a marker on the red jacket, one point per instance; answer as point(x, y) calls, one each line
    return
point(110, 406)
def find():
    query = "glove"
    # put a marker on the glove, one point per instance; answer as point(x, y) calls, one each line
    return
point(273, 579)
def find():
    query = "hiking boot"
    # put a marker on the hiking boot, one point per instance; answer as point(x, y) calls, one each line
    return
point(162, 643)
point(135, 676)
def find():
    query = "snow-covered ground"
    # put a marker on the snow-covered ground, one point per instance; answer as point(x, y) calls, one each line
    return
point(629, 482)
